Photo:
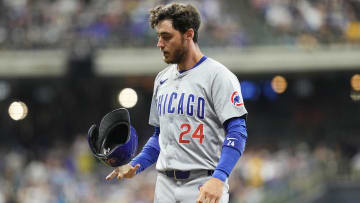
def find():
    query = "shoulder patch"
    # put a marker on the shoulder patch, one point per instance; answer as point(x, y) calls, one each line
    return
point(235, 99)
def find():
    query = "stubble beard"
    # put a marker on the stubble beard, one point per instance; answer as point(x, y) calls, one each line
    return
point(178, 54)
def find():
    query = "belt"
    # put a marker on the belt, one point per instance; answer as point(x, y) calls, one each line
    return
point(182, 175)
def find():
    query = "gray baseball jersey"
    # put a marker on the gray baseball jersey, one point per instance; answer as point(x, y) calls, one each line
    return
point(190, 109)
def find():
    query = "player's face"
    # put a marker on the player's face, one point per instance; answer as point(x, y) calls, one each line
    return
point(171, 42)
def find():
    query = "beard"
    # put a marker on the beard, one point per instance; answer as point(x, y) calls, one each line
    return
point(178, 54)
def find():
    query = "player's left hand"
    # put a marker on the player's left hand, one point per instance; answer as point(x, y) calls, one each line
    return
point(211, 191)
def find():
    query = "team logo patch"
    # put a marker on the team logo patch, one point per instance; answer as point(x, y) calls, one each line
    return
point(235, 99)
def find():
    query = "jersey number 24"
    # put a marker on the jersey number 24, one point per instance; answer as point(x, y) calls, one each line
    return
point(198, 133)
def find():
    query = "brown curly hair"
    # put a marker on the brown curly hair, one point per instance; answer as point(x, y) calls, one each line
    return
point(183, 17)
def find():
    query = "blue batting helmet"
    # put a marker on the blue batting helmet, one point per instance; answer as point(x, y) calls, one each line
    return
point(115, 141)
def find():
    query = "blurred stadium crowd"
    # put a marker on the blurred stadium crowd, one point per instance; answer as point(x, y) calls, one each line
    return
point(311, 22)
point(70, 174)
point(123, 23)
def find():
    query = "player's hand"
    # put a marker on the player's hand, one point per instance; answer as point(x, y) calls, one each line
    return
point(124, 171)
point(211, 191)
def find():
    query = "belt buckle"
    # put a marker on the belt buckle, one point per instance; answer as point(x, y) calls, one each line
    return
point(175, 175)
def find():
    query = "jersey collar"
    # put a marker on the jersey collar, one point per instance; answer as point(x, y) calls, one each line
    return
point(197, 64)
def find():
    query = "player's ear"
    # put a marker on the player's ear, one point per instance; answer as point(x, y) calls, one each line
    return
point(189, 34)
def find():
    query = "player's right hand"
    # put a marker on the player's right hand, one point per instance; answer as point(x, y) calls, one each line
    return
point(124, 171)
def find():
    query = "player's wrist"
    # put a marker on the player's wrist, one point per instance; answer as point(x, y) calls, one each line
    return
point(219, 174)
point(133, 163)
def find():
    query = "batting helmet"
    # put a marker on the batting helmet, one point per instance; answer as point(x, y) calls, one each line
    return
point(115, 141)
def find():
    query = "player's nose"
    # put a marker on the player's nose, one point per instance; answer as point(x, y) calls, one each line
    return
point(160, 43)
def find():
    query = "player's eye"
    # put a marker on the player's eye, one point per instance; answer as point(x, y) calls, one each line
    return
point(166, 37)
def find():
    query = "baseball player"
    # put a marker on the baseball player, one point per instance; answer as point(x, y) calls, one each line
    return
point(198, 114)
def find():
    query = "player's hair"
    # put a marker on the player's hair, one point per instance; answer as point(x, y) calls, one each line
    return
point(183, 17)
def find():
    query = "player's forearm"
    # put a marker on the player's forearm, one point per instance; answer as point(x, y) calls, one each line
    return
point(146, 158)
point(233, 147)
point(149, 153)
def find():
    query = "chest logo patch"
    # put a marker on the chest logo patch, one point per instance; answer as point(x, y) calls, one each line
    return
point(235, 99)
point(163, 81)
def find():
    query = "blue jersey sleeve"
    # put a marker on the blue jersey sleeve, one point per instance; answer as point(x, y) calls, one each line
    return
point(149, 153)
point(233, 147)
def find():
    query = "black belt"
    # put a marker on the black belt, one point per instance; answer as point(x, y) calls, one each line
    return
point(181, 175)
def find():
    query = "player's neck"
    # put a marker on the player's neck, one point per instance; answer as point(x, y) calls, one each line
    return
point(193, 56)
